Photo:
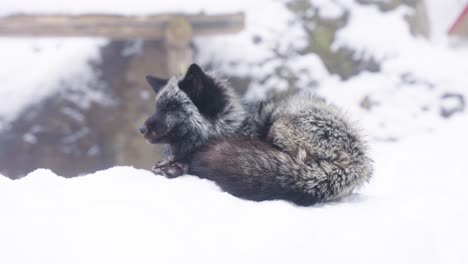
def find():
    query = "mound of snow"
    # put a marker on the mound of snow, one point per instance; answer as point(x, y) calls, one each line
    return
point(413, 211)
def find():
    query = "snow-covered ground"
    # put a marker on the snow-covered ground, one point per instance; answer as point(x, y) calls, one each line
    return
point(413, 211)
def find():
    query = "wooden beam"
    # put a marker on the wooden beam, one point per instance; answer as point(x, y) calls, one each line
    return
point(115, 26)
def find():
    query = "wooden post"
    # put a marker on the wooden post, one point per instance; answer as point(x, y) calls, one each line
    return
point(177, 37)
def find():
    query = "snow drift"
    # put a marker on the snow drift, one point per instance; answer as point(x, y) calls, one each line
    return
point(414, 211)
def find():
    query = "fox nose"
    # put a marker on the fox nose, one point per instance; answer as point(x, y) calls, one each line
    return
point(143, 130)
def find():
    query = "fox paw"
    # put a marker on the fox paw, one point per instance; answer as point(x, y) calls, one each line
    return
point(163, 163)
point(170, 170)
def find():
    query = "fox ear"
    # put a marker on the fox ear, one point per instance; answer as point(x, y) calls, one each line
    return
point(193, 72)
point(194, 82)
point(156, 83)
point(205, 94)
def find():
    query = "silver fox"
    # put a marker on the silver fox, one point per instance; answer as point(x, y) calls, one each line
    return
point(298, 148)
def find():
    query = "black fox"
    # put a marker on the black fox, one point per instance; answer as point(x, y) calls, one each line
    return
point(296, 148)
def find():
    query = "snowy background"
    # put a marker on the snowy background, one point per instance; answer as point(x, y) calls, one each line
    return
point(413, 211)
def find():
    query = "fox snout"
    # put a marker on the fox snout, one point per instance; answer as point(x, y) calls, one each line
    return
point(155, 130)
point(149, 134)
point(147, 131)
point(143, 130)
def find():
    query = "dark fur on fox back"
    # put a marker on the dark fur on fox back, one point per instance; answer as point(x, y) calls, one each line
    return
point(297, 148)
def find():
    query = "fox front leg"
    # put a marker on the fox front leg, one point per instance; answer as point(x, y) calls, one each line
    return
point(157, 168)
point(171, 169)
point(168, 158)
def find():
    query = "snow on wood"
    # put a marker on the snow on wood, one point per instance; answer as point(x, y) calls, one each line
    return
point(116, 26)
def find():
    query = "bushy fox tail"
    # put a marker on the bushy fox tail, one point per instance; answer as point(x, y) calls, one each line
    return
point(255, 170)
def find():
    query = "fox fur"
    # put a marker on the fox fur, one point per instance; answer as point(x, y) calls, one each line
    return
point(297, 148)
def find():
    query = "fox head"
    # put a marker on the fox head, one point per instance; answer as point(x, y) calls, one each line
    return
point(184, 105)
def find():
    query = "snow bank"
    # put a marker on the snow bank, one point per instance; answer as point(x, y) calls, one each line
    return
point(32, 69)
point(405, 96)
point(414, 211)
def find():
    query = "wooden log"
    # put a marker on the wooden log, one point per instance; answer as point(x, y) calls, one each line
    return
point(151, 27)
